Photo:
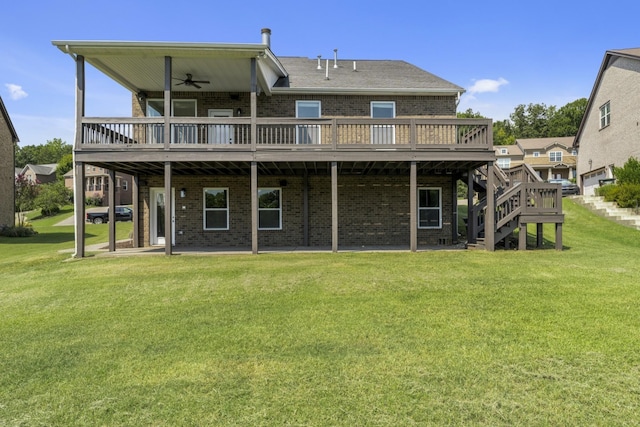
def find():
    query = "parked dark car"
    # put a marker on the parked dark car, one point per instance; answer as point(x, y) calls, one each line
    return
point(568, 187)
point(123, 213)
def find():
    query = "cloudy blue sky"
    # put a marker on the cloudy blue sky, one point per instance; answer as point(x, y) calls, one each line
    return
point(504, 53)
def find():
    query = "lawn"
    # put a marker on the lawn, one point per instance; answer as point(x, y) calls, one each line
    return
point(536, 337)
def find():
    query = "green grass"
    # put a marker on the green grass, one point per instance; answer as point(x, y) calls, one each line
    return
point(446, 337)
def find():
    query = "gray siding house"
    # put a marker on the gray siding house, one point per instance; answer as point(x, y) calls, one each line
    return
point(233, 147)
point(8, 139)
point(608, 134)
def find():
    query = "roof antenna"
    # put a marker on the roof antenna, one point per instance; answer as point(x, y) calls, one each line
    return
point(335, 58)
point(319, 65)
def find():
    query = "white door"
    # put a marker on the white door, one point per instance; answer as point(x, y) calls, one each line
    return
point(221, 134)
point(158, 212)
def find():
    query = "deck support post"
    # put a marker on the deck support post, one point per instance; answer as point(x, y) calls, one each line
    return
point(490, 217)
point(558, 236)
point(135, 200)
point(305, 209)
point(334, 206)
point(254, 208)
point(112, 210)
point(522, 237)
point(413, 207)
point(471, 219)
point(78, 183)
point(539, 235)
point(78, 202)
point(168, 215)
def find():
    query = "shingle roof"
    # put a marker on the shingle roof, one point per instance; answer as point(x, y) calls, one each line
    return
point(370, 75)
point(47, 169)
point(533, 143)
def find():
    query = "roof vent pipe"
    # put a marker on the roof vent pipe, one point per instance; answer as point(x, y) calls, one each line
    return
point(319, 64)
point(266, 37)
point(354, 66)
point(327, 76)
point(335, 58)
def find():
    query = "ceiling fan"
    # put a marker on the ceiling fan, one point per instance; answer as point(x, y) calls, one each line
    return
point(190, 82)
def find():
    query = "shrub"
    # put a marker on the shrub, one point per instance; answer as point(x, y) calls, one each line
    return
point(51, 197)
point(629, 173)
point(18, 231)
point(608, 192)
point(628, 195)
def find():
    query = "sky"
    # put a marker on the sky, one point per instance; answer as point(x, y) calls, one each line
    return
point(504, 53)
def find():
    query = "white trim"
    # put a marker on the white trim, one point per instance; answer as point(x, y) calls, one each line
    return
point(378, 132)
point(205, 209)
point(439, 208)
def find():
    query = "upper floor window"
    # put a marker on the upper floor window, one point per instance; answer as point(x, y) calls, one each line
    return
point(308, 134)
point(605, 115)
point(555, 156)
point(383, 133)
point(503, 151)
point(124, 185)
point(536, 154)
point(181, 133)
point(504, 163)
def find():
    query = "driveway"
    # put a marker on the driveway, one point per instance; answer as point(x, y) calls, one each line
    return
point(70, 221)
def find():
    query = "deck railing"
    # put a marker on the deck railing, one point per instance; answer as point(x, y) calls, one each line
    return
point(321, 133)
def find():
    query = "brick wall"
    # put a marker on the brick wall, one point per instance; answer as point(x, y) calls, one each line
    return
point(7, 175)
point(331, 105)
point(372, 211)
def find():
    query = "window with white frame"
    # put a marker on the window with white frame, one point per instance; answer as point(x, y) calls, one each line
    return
point(124, 185)
point(536, 154)
point(181, 133)
point(308, 134)
point(504, 151)
point(430, 207)
point(269, 209)
point(555, 156)
point(605, 115)
point(504, 163)
point(216, 209)
point(383, 133)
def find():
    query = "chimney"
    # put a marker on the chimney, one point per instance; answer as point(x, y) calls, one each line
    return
point(266, 37)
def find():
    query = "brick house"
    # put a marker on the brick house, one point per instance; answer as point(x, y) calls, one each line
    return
point(96, 185)
point(8, 140)
point(549, 157)
point(233, 147)
point(608, 134)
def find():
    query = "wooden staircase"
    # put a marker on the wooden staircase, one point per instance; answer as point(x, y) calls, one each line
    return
point(519, 198)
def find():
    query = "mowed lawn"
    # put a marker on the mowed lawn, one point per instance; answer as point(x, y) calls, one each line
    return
point(536, 337)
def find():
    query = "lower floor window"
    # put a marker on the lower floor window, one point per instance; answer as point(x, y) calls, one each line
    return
point(429, 208)
point(269, 209)
point(216, 209)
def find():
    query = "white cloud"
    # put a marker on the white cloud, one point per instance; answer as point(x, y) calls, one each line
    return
point(16, 92)
point(487, 85)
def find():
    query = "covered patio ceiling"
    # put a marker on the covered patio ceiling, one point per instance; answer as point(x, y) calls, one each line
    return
point(140, 66)
point(361, 168)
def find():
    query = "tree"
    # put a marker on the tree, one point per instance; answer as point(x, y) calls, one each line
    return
point(51, 152)
point(51, 196)
point(64, 165)
point(503, 133)
point(25, 195)
point(532, 121)
point(566, 121)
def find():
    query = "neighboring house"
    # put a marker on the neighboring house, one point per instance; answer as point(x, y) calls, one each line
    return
point(8, 140)
point(96, 185)
point(231, 146)
point(550, 157)
point(608, 134)
point(40, 174)
point(508, 156)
